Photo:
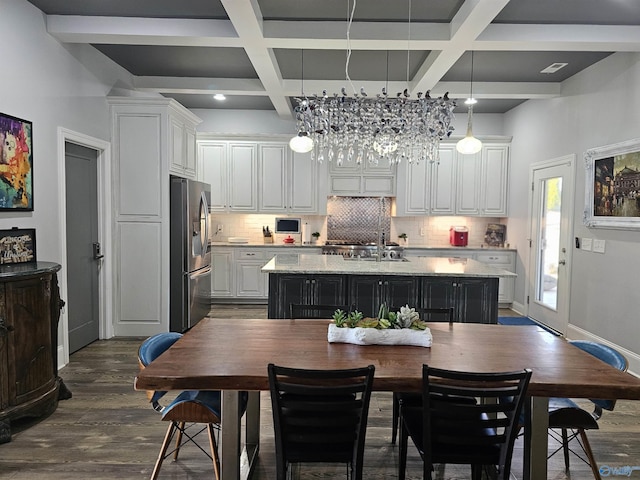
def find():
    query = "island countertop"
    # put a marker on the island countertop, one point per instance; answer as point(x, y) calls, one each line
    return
point(423, 267)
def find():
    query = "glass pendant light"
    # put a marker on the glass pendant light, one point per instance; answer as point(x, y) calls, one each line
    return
point(469, 144)
point(301, 143)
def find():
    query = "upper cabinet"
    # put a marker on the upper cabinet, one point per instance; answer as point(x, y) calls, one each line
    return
point(425, 188)
point(262, 177)
point(182, 145)
point(470, 185)
point(365, 179)
point(231, 168)
point(288, 181)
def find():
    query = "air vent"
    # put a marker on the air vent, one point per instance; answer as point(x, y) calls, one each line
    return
point(554, 67)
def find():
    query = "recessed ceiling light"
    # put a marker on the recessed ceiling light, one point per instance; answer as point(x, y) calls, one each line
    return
point(554, 67)
point(219, 96)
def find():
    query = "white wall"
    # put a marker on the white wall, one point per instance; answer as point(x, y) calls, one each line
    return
point(598, 107)
point(52, 86)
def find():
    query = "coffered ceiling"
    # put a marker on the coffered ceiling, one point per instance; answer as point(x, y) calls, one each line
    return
point(263, 53)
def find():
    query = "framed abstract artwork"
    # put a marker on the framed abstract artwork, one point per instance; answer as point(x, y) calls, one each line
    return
point(16, 163)
point(612, 189)
point(17, 245)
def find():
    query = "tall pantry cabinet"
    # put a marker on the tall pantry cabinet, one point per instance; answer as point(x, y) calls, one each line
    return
point(152, 138)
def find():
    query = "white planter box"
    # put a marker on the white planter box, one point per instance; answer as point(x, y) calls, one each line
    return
point(374, 336)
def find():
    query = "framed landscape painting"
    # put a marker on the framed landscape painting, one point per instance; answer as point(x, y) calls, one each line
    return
point(16, 163)
point(612, 191)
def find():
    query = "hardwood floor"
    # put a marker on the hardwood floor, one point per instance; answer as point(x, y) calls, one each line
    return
point(108, 430)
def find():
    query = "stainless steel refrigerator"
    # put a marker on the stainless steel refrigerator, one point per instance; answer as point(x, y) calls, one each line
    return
point(190, 262)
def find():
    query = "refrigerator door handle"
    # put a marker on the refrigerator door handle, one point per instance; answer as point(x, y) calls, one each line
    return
point(204, 215)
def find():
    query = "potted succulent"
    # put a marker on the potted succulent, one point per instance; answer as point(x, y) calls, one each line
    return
point(316, 236)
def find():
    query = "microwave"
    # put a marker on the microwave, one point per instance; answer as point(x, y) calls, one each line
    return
point(287, 225)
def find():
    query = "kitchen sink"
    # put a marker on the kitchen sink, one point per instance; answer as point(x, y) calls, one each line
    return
point(373, 259)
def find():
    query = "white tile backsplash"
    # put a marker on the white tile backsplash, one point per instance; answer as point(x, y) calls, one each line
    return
point(436, 229)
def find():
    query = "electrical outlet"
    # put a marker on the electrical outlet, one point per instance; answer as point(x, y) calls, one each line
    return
point(220, 228)
point(422, 231)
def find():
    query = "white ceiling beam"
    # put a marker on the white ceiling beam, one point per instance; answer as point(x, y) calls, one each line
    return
point(246, 18)
point(469, 22)
point(331, 35)
point(199, 85)
point(291, 88)
point(143, 31)
point(584, 38)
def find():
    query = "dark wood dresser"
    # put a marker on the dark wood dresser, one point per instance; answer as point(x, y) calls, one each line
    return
point(29, 313)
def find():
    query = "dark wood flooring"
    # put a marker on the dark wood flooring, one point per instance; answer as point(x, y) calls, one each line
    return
point(108, 430)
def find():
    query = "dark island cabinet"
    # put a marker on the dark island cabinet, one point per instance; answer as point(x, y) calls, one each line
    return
point(474, 300)
point(304, 289)
point(29, 313)
point(368, 292)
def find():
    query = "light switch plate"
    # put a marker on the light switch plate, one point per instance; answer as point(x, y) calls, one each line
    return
point(586, 244)
point(598, 245)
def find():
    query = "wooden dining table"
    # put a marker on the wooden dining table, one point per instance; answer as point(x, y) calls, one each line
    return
point(232, 355)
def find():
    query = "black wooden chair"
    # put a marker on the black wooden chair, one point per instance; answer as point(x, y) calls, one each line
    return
point(415, 399)
point(320, 416)
point(446, 430)
point(309, 311)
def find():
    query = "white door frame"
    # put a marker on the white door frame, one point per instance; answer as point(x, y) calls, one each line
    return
point(569, 160)
point(105, 307)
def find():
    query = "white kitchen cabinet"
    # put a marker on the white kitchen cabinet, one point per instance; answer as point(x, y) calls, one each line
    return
point(222, 273)
point(351, 179)
point(469, 185)
point(250, 281)
point(482, 187)
point(495, 180)
point(288, 181)
point(182, 146)
point(231, 168)
point(427, 188)
point(505, 261)
point(151, 138)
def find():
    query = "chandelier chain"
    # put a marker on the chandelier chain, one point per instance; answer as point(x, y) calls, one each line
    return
point(361, 127)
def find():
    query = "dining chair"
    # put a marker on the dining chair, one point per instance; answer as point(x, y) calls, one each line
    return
point(567, 416)
point(309, 311)
point(408, 398)
point(187, 412)
point(447, 429)
point(320, 416)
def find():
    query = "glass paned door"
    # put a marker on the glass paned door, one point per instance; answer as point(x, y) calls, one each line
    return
point(551, 206)
point(549, 242)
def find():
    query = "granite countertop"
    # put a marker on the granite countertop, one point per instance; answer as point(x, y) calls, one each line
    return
point(424, 267)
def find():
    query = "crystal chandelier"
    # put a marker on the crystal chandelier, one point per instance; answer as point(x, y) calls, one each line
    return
point(359, 127)
point(363, 128)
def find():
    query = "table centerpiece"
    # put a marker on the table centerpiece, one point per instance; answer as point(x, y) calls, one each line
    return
point(389, 328)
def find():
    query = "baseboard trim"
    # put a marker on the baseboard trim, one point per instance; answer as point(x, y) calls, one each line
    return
point(519, 308)
point(577, 333)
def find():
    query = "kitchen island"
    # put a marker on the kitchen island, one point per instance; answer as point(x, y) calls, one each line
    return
point(468, 286)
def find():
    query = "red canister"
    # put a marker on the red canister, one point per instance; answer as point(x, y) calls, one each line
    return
point(458, 236)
